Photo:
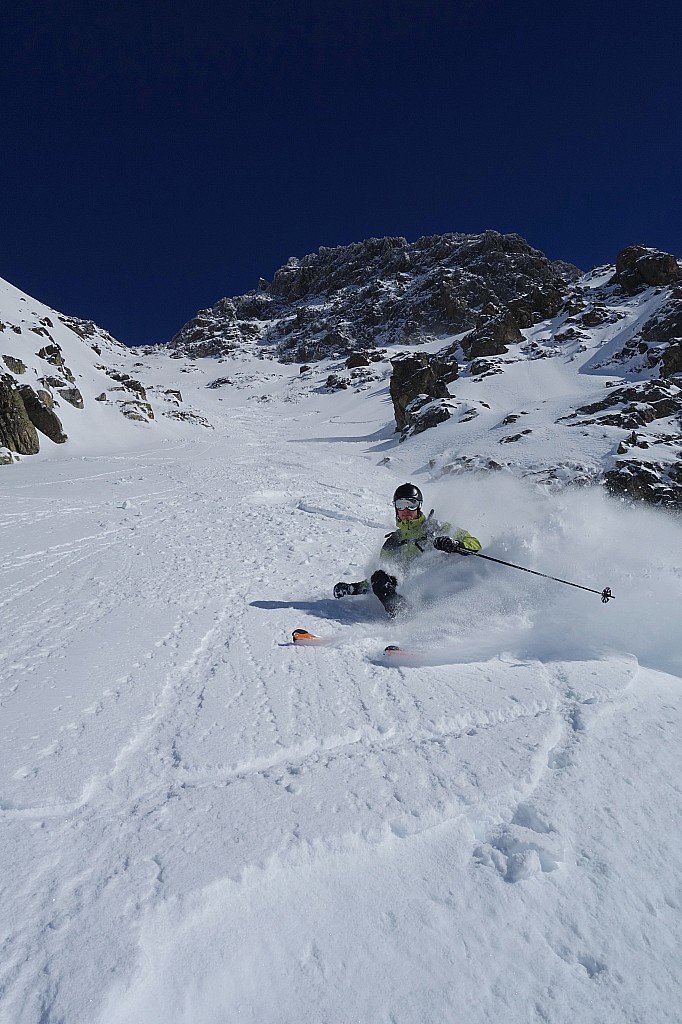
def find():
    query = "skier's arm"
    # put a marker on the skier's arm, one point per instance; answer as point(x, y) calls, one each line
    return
point(456, 542)
point(466, 539)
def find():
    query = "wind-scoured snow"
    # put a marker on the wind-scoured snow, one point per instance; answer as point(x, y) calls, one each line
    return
point(202, 823)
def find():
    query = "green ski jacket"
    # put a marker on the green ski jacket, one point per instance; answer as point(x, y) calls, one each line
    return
point(413, 538)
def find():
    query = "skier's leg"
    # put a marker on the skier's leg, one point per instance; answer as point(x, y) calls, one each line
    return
point(384, 586)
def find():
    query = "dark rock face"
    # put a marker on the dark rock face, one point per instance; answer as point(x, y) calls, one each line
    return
point(336, 383)
point(492, 337)
point(638, 267)
point(657, 483)
point(424, 413)
point(512, 438)
point(385, 291)
point(595, 316)
point(53, 382)
point(671, 360)
point(128, 382)
point(640, 356)
point(632, 406)
point(16, 430)
point(134, 409)
point(53, 354)
point(485, 367)
point(15, 365)
point(445, 367)
point(663, 335)
point(414, 383)
point(72, 396)
point(41, 414)
point(66, 389)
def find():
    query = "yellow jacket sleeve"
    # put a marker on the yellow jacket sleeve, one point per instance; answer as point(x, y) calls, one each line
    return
point(469, 542)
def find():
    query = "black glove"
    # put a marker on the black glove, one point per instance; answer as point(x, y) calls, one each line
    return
point(452, 547)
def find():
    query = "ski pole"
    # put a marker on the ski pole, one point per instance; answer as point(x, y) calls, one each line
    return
point(605, 594)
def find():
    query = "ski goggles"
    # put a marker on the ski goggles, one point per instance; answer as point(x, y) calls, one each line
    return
point(402, 503)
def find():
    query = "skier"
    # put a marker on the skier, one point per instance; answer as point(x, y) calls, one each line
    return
point(415, 534)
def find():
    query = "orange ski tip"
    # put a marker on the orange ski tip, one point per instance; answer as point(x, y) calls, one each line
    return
point(399, 654)
point(302, 636)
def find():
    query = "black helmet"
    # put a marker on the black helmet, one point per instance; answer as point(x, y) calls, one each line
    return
point(408, 491)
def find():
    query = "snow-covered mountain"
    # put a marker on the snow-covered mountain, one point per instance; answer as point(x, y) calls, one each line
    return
point(440, 319)
point(65, 381)
point(202, 822)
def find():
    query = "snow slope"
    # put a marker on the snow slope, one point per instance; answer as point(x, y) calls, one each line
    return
point(202, 823)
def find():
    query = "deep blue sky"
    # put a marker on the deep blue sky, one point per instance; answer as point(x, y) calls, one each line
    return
point(157, 156)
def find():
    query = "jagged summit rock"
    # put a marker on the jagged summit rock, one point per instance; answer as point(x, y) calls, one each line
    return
point(382, 291)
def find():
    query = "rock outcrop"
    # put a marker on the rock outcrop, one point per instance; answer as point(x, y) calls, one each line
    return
point(414, 385)
point(492, 335)
point(16, 430)
point(53, 355)
point(638, 267)
point(663, 334)
point(15, 365)
point(632, 406)
point(656, 483)
point(40, 410)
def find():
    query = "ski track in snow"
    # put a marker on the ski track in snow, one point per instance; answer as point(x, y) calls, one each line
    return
point(187, 798)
